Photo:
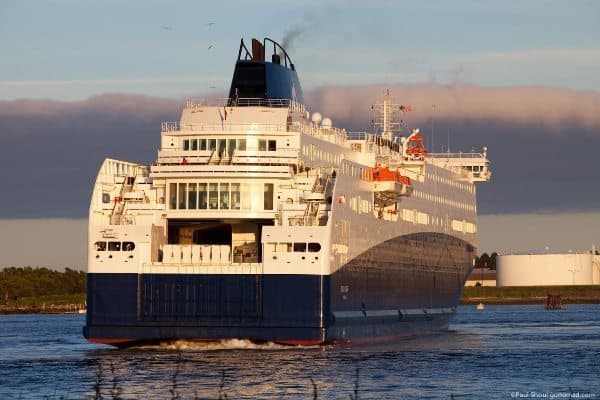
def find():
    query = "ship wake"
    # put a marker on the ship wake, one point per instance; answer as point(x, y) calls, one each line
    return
point(224, 344)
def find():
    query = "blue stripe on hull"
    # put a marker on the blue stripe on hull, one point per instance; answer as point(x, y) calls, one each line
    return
point(209, 307)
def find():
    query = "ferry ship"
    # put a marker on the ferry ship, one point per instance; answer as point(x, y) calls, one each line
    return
point(261, 221)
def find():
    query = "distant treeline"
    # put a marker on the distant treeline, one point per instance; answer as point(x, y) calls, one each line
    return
point(31, 282)
point(486, 261)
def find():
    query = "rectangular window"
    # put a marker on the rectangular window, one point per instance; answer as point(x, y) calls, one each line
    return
point(181, 196)
point(172, 196)
point(192, 196)
point(202, 196)
point(194, 144)
point(272, 145)
point(299, 247)
point(213, 196)
point(221, 147)
point(246, 196)
point(212, 144)
point(242, 144)
point(202, 144)
point(186, 144)
point(114, 246)
point(231, 147)
point(262, 145)
point(235, 196)
point(224, 196)
point(268, 197)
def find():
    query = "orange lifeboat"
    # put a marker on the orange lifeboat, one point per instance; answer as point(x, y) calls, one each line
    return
point(383, 174)
point(416, 147)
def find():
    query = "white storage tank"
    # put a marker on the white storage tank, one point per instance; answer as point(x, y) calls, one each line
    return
point(547, 269)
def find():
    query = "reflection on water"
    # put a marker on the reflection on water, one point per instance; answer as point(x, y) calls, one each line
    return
point(485, 354)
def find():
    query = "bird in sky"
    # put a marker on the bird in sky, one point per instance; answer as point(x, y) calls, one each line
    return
point(167, 27)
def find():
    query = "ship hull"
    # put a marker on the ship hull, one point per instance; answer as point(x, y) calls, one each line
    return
point(367, 300)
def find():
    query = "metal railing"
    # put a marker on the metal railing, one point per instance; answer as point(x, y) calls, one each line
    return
point(245, 102)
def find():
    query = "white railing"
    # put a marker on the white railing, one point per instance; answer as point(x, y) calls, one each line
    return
point(247, 128)
point(246, 102)
point(455, 155)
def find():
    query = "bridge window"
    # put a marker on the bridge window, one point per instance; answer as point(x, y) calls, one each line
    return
point(202, 196)
point(202, 144)
point(272, 145)
point(314, 247)
point(224, 196)
point(262, 145)
point(192, 196)
point(186, 144)
point(221, 144)
point(173, 195)
point(242, 144)
point(194, 144)
point(213, 196)
point(212, 144)
point(268, 196)
point(181, 196)
point(235, 196)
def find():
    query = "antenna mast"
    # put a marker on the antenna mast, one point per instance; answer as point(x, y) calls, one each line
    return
point(386, 118)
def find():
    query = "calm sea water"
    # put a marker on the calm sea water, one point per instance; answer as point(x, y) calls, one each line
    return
point(501, 352)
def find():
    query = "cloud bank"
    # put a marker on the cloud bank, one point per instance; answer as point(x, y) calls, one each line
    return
point(542, 142)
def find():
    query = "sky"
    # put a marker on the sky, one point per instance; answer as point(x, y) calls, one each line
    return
point(81, 81)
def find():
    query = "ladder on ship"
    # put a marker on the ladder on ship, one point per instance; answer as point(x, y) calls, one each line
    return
point(116, 217)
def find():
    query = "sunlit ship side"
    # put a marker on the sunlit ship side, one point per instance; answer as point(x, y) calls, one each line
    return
point(261, 221)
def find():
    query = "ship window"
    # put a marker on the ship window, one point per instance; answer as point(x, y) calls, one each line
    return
point(221, 146)
point(299, 247)
point(235, 196)
point(245, 195)
point(314, 247)
point(114, 246)
point(106, 197)
point(242, 144)
point(284, 247)
point(224, 195)
point(192, 196)
point(202, 144)
point(194, 144)
point(230, 147)
point(268, 196)
point(272, 145)
point(173, 196)
point(128, 246)
point(181, 196)
point(202, 197)
point(262, 145)
point(186, 144)
point(100, 246)
point(213, 196)
point(212, 144)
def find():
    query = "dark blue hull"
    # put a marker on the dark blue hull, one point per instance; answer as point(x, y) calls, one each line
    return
point(402, 287)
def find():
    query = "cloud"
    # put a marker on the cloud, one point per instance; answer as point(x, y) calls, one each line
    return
point(556, 110)
point(542, 142)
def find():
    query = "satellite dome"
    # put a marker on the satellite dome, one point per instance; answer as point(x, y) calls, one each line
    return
point(316, 118)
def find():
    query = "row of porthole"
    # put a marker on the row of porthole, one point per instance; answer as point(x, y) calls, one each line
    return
point(114, 246)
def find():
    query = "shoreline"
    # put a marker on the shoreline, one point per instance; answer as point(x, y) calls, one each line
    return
point(492, 295)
